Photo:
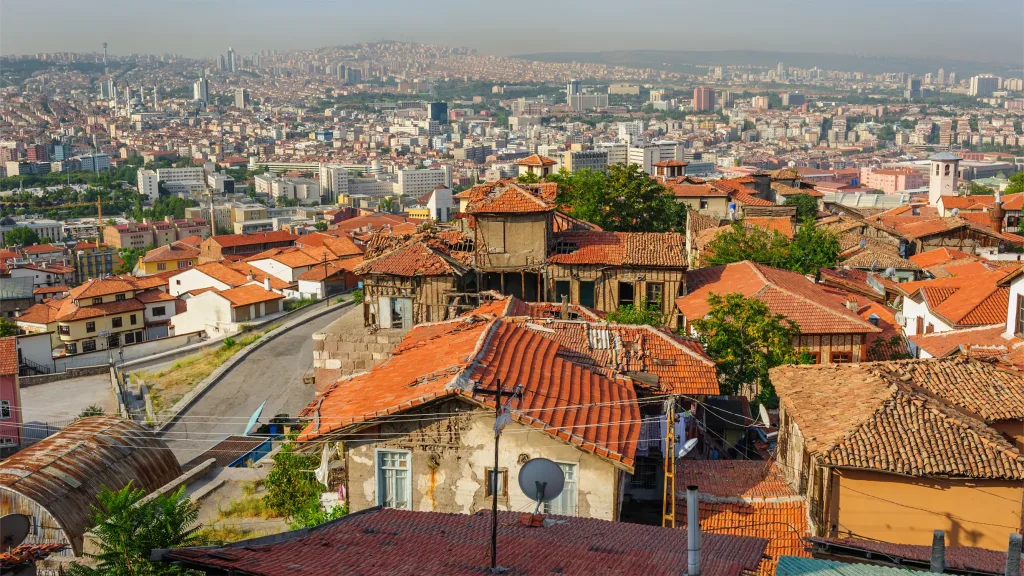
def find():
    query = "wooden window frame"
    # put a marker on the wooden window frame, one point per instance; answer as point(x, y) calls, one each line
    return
point(503, 482)
point(848, 355)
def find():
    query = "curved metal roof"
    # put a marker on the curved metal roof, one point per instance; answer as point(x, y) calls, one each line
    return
point(66, 471)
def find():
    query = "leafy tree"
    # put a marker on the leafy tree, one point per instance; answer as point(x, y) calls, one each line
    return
point(8, 327)
point(752, 243)
point(128, 531)
point(806, 207)
point(623, 200)
point(21, 236)
point(812, 248)
point(91, 410)
point(745, 339)
point(1016, 184)
point(528, 178)
point(320, 225)
point(643, 313)
point(387, 204)
point(130, 257)
point(294, 492)
point(972, 188)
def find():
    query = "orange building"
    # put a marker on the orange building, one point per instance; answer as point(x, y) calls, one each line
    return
point(892, 451)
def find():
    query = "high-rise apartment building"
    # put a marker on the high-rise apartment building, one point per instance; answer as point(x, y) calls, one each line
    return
point(201, 90)
point(438, 112)
point(703, 99)
point(983, 86)
point(241, 98)
point(231, 61)
point(576, 160)
point(941, 78)
point(572, 88)
point(149, 184)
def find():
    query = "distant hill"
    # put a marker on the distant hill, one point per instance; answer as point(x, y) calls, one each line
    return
point(687, 61)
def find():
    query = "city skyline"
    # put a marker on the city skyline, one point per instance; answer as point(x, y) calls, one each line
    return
point(313, 24)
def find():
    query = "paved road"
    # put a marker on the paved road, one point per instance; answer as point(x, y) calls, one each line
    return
point(60, 402)
point(272, 373)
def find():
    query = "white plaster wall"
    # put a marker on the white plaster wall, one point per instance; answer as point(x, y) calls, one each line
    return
point(192, 280)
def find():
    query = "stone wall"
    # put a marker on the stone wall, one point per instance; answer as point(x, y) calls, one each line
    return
point(346, 347)
point(27, 381)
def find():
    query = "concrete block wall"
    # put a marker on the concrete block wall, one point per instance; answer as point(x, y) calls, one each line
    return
point(343, 349)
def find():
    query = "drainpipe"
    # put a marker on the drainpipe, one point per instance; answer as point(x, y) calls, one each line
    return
point(692, 532)
point(938, 551)
point(1013, 556)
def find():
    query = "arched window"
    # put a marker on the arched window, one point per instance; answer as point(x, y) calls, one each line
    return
point(936, 169)
point(947, 170)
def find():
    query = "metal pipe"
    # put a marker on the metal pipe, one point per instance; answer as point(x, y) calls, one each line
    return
point(692, 532)
point(938, 563)
point(1013, 556)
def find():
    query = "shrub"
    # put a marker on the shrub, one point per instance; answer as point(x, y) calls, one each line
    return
point(229, 342)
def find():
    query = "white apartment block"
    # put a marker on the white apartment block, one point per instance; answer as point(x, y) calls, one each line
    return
point(181, 174)
point(412, 182)
point(148, 183)
point(305, 190)
point(617, 153)
point(656, 152)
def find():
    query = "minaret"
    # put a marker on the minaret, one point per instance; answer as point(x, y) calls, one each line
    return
point(104, 57)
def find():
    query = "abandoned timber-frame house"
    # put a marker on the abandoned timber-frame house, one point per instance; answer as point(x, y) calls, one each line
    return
point(518, 244)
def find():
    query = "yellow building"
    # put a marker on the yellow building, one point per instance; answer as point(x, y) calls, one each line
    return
point(103, 314)
point(421, 212)
point(176, 256)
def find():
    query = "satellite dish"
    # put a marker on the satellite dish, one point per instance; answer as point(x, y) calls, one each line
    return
point(763, 412)
point(687, 446)
point(14, 528)
point(541, 480)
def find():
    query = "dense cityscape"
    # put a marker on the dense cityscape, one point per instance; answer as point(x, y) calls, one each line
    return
point(397, 307)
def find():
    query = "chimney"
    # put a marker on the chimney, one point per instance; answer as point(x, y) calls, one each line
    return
point(995, 215)
point(266, 283)
point(938, 551)
point(565, 307)
point(692, 532)
point(852, 305)
point(1013, 556)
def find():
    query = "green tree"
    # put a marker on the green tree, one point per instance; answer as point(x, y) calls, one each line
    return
point(130, 257)
point(752, 243)
point(21, 236)
point(746, 340)
point(294, 492)
point(129, 529)
point(1016, 184)
point(320, 225)
point(972, 188)
point(528, 178)
point(806, 206)
point(387, 204)
point(812, 249)
point(8, 327)
point(642, 313)
point(623, 200)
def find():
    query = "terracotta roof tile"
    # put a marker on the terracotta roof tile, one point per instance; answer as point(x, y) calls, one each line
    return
point(886, 424)
point(963, 559)
point(44, 313)
point(413, 259)
point(786, 293)
point(249, 294)
point(8, 356)
point(940, 256)
point(966, 300)
point(940, 344)
point(255, 238)
point(667, 249)
point(387, 541)
point(453, 358)
point(535, 160)
point(508, 199)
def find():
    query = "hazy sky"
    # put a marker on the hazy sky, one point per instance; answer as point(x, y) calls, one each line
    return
point(988, 30)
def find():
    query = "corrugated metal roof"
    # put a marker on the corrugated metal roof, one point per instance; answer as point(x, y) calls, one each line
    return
point(15, 288)
point(66, 471)
point(793, 566)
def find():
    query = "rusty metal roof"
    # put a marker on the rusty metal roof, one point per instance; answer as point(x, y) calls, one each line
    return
point(66, 471)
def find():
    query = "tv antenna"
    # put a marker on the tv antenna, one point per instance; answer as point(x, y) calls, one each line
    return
point(14, 528)
point(541, 480)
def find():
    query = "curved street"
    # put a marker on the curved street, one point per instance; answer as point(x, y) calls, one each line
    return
point(273, 373)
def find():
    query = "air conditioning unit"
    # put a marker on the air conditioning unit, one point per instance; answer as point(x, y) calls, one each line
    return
point(901, 319)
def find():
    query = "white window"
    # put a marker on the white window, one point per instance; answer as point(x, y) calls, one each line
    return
point(5, 409)
point(393, 485)
point(565, 504)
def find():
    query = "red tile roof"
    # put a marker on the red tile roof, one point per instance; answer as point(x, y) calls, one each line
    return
point(101, 287)
point(383, 541)
point(169, 252)
point(535, 160)
point(667, 249)
point(746, 498)
point(508, 199)
point(454, 358)
point(44, 313)
point(807, 304)
point(963, 341)
point(413, 259)
point(886, 423)
point(249, 294)
point(965, 300)
point(962, 559)
point(8, 356)
point(255, 238)
point(940, 256)
point(42, 249)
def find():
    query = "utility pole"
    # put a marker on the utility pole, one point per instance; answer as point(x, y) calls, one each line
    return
point(327, 297)
point(668, 507)
point(502, 415)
